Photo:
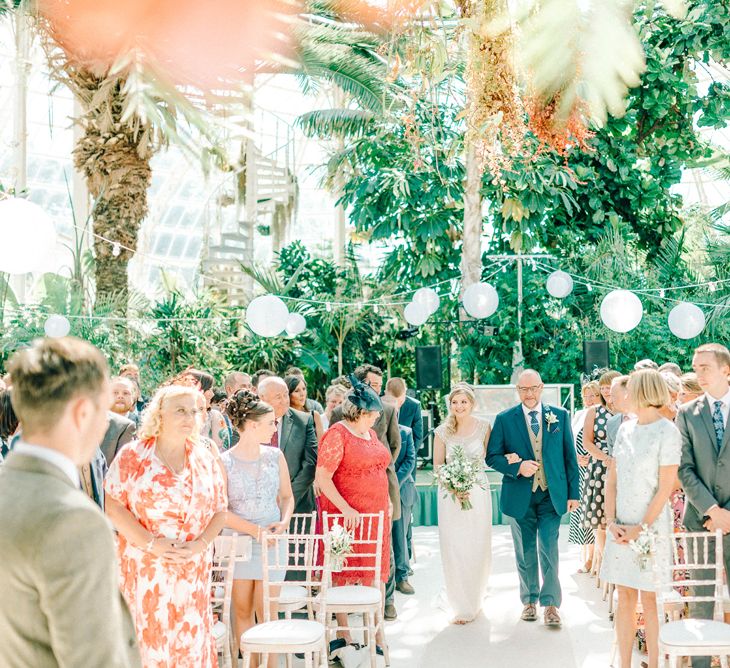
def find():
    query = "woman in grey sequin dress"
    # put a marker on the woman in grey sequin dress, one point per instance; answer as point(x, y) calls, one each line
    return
point(259, 498)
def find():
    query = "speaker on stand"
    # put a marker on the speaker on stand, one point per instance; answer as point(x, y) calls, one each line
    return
point(429, 379)
point(595, 356)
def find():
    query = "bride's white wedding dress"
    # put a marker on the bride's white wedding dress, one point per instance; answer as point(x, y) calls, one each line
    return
point(465, 536)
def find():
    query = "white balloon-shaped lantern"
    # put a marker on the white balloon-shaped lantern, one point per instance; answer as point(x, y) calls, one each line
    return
point(621, 310)
point(267, 315)
point(27, 236)
point(295, 324)
point(480, 300)
point(416, 314)
point(57, 326)
point(686, 320)
point(559, 284)
point(429, 298)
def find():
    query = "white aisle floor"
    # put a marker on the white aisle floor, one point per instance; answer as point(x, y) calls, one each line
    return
point(422, 637)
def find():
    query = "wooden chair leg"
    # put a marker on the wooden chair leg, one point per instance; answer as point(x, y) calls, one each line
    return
point(247, 660)
point(308, 660)
point(723, 661)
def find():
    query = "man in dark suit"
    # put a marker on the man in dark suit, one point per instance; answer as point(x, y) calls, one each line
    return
point(296, 438)
point(705, 467)
point(539, 484)
point(121, 430)
point(410, 415)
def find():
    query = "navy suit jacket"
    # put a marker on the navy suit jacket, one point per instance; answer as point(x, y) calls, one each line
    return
point(409, 415)
point(509, 434)
point(405, 467)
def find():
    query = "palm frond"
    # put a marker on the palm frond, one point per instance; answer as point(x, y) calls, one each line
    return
point(328, 123)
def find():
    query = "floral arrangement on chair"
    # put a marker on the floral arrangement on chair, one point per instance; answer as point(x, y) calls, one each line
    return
point(340, 542)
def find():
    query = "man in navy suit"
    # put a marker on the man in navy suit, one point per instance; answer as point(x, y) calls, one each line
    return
point(532, 446)
point(410, 413)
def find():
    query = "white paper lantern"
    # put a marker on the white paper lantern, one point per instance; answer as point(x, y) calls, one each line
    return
point(27, 236)
point(267, 315)
point(416, 314)
point(295, 324)
point(57, 326)
point(686, 320)
point(621, 310)
point(480, 300)
point(559, 284)
point(429, 298)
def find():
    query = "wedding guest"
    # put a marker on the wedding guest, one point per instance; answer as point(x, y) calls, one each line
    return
point(621, 407)
point(259, 375)
point(351, 474)
point(121, 430)
point(296, 438)
point(578, 533)
point(59, 597)
point(310, 404)
point(259, 499)
point(165, 495)
point(646, 364)
point(214, 426)
point(297, 387)
point(594, 441)
point(334, 397)
point(235, 381)
point(410, 413)
point(674, 386)
point(691, 389)
point(646, 458)
point(705, 427)
point(131, 371)
point(671, 367)
point(9, 423)
point(219, 403)
point(124, 398)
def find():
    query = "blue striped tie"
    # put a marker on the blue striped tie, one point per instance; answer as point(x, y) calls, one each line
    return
point(535, 425)
point(719, 424)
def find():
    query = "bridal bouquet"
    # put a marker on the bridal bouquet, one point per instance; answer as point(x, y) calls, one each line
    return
point(458, 476)
point(644, 546)
point(340, 542)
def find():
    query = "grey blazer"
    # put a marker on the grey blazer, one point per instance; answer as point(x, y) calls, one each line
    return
point(298, 442)
point(612, 425)
point(120, 431)
point(704, 472)
point(60, 603)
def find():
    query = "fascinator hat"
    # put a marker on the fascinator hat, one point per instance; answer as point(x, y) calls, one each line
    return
point(363, 396)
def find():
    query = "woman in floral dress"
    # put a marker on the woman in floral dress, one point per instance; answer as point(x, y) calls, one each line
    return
point(165, 495)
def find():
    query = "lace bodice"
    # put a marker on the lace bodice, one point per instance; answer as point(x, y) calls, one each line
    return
point(473, 444)
point(253, 486)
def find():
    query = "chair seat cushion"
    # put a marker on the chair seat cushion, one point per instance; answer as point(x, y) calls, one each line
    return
point(284, 631)
point(695, 633)
point(353, 595)
point(220, 630)
point(291, 594)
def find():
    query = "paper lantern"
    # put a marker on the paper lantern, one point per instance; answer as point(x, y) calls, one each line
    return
point(27, 236)
point(559, 284)
point(480, 300)
point(267, 315)
point(57, 326)
point(295, 324)
point(621, 310)
point(429, 298)
point(416, 314)
point(686, 320)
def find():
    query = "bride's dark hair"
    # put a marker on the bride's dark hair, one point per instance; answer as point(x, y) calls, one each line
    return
point(468, 392)
point(245, 406)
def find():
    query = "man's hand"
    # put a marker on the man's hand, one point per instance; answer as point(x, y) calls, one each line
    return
point(573, 505)
point(720, 519)
point(528, 468)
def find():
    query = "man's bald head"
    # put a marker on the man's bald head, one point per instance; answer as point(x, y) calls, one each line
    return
point(529, 388)
point(529, 377)
point(274, 391)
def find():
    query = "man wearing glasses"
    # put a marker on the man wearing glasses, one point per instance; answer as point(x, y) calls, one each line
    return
point(532, 446)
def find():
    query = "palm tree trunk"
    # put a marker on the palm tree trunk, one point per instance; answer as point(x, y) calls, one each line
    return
point(471, 249)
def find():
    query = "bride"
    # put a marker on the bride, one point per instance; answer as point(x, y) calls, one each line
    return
point(465, 536)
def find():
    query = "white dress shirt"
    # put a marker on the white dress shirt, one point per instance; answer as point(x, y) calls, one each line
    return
point(724, 409)
point(52, 457)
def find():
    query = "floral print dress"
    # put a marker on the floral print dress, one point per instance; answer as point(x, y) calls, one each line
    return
point(170, 603)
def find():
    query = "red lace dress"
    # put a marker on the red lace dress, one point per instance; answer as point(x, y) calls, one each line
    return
point(359, 468)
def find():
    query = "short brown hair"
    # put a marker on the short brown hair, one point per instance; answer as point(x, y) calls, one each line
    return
point(128, 367)
point(721, 353)
point(396, 387)
point(363, 370)
point(49, 374)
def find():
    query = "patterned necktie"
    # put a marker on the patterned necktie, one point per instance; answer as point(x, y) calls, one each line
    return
point(275, 438)
point(719, 424)
point(534, 424)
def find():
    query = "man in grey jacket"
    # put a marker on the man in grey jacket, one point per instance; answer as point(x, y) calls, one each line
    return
point(705, 467)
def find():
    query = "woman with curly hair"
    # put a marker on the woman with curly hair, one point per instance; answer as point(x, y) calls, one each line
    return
point(165, 495)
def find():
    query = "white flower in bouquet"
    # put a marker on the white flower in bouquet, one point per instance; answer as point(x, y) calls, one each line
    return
point(644, 546)
point(459, 476)
point(340, 542)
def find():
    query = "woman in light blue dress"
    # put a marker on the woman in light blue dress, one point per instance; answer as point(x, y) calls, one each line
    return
point(259, 499)
point(646, 455)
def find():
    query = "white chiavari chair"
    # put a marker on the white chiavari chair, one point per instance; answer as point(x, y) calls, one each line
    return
point(692, 553)
point(360, 599)
point(291, 636)
point(293, 596)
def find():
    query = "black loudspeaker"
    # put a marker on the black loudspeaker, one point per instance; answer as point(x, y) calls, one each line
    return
point(595, 356)
point(429, 369)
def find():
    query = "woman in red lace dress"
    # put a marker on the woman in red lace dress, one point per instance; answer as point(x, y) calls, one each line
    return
point(351, 477)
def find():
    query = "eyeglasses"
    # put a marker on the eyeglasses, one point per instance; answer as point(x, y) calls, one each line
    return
point(532, 388)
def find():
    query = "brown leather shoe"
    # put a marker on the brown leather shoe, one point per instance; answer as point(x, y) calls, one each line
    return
point(552, 616)
point(529, 613)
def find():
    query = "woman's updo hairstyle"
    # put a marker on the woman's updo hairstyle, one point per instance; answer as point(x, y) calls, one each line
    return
point(245, 407)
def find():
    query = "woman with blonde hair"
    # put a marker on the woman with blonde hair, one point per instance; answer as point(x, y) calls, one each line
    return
point(465, 536)
point(646, 454)
point(165, 495)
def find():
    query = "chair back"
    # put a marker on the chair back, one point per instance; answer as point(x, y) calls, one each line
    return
point(367, 542)
point(691, 554)
point(305, 555)
point(303, 524)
